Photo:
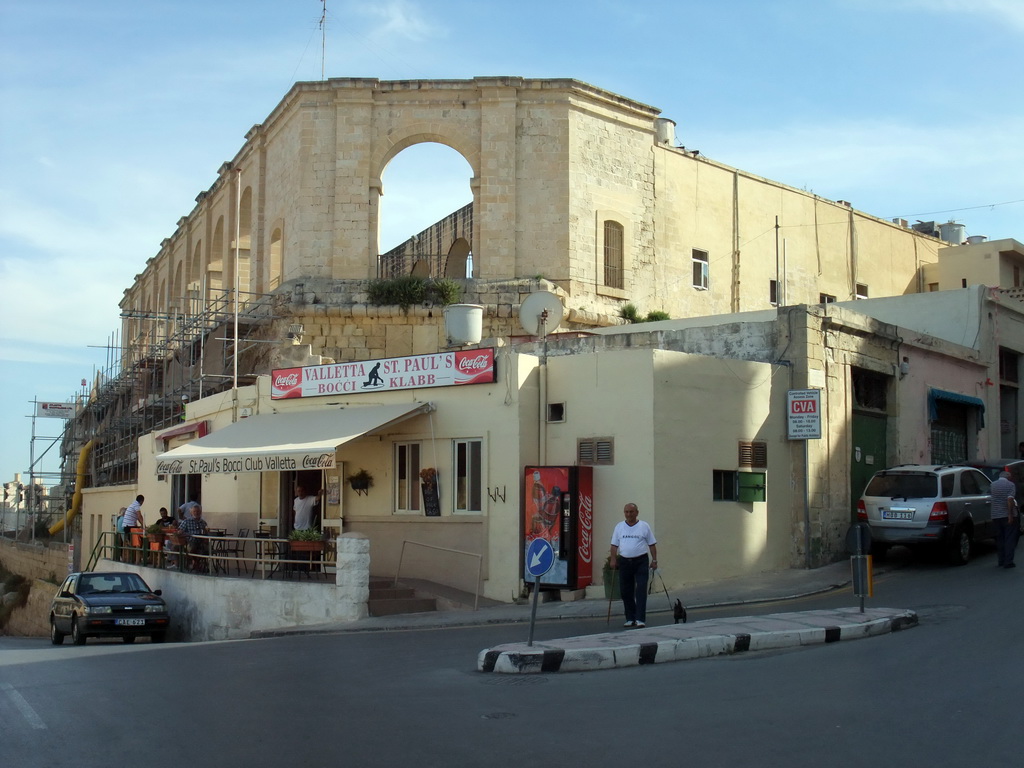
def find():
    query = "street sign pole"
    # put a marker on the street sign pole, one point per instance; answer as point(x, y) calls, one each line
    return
point(533, 609)
point(540, 557)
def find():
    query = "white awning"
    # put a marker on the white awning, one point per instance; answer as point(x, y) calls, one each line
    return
point(282, 441)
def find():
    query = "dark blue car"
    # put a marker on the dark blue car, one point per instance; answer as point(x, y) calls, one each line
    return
point(111, 604)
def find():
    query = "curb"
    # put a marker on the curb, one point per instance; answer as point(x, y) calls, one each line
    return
point(693, 641)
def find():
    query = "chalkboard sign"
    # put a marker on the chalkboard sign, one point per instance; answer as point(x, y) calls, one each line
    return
point(431, 502)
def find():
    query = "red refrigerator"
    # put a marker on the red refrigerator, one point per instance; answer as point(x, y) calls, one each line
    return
point(558, 505)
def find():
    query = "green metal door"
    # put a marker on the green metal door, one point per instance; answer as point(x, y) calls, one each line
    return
point(868, 455)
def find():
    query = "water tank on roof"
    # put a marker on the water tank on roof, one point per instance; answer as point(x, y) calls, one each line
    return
point(976, 239)
point(952, 233)
point(665, 131)
point(463, 323)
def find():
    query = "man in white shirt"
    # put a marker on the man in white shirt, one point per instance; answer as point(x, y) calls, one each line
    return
point(634, 552)
point(303, 510)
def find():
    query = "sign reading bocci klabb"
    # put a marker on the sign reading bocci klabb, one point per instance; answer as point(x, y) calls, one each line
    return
point(444, 369)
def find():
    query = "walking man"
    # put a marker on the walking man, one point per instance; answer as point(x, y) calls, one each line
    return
point(634, 552)
point(1004, 517)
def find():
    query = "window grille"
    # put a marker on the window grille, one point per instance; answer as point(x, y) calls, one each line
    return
point(613, 255)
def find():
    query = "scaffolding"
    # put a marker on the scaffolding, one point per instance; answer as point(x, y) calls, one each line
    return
point(166, 360)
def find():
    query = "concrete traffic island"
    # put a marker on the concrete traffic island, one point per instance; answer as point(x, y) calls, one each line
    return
point(681, 642)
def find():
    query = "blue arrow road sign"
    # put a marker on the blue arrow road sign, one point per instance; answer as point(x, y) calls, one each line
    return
point(540, 556)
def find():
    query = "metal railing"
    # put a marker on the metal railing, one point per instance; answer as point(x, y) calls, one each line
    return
point(479, 565)
point(216, 555)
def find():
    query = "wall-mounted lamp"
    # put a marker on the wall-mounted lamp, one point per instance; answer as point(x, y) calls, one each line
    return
point(904, 367)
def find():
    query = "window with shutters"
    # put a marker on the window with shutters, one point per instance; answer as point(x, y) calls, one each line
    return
point(595, 450)
point(753, 454)
point(729, 485)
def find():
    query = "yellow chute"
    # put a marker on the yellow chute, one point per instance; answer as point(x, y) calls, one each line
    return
point(76, 501)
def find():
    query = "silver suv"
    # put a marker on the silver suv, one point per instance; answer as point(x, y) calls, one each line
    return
point(915, 504)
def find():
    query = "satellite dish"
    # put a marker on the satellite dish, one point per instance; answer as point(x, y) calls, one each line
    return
point(540, 313)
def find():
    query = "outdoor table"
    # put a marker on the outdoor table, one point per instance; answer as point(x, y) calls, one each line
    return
point(268, 553)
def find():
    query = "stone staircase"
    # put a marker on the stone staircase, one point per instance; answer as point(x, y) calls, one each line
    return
point(419, 596)
point(386, 599)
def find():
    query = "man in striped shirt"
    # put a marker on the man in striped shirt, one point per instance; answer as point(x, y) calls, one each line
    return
point(1004, 517)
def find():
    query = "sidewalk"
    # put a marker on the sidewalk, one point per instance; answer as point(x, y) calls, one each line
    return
point(681, 642)
point(776, 586)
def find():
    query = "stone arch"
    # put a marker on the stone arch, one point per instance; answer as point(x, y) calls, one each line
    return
point(416, 134)
point(177, 289)
point(243, 265)
point(216, 265)
point(275, 261)
point(461, 141)
point(458, 256)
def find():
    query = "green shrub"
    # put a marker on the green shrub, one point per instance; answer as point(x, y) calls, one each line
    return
point(630, 313)
point(407, 290)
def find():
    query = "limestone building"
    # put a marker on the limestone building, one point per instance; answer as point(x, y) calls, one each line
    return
point(575, 190)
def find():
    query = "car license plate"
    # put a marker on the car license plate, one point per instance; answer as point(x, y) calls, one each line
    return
point(130, 622)
point(897, 514)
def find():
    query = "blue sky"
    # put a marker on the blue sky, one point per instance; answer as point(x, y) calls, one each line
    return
point(117, 114)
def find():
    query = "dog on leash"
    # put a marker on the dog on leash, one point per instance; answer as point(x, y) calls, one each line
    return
point(679, 612)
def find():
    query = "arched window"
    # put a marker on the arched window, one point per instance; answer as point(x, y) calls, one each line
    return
point(613, 255)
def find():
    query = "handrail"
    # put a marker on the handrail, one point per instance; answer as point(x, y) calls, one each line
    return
point(142, 554)
point(479, 565)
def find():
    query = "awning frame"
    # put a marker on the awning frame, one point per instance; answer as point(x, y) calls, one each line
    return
point(278, 442)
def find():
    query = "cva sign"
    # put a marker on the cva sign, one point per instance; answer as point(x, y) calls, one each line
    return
point(803, 414)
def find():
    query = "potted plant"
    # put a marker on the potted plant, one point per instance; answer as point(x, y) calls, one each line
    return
point(360, 481)
point(155, 534)
point(306, 540)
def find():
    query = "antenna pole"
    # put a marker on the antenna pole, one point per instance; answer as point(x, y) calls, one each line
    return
point(323, 39)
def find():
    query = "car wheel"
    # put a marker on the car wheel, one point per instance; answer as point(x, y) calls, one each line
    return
point(960, 551)
point(76, 633)
point(159, 637)
point(56, 636)
point(128, 639)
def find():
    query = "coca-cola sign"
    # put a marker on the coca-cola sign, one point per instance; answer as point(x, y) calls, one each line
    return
point(444, 369)
point(586, 513)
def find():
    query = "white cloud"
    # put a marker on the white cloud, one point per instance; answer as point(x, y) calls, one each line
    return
point(399, 19)
point(1009, 12)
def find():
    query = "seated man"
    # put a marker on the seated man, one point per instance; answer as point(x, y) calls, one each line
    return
point(193, 526)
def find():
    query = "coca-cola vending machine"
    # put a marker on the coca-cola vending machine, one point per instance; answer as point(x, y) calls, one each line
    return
point(558, 505)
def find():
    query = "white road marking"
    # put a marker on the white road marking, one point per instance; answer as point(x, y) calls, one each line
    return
point(23, 706)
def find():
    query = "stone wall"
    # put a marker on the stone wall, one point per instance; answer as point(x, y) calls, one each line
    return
point(338, 324)
point(45, 566)
point(222, 608)
point(32, 620)
point(35, 561)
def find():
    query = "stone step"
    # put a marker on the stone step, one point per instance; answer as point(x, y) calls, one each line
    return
point(391, 607)
point(391, 593)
